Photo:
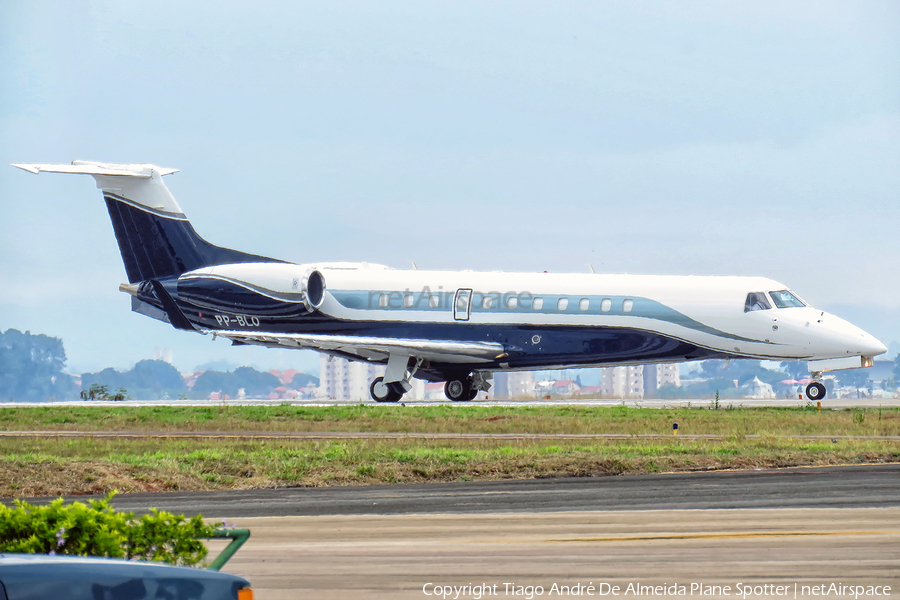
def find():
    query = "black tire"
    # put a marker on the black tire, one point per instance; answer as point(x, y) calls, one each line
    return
point(458, 390)
point(392, 394)
point(815, 391)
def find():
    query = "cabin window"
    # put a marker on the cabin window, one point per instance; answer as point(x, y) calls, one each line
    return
point(785, 299)
point(383, 301)
point(627, 305)
point(756, 301)
point(488, 302)
point(563, 304)
point(434, 301)
point(606, 305)
point(537, 303)
point(512, 302)
point(584, 304)
point(408, 300)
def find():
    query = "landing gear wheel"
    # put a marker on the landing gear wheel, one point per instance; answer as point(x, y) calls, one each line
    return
point(459, 390)
point(384, 392)
point(815, 391)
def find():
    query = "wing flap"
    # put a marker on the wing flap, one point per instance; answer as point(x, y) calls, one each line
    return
point(374, 347)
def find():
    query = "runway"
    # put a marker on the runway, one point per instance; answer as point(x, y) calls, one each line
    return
point(723, 529)
point(872, 486)
point(803, 527)
point(409, 556)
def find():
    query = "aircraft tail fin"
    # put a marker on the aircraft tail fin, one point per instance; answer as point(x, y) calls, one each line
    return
point(155, 239)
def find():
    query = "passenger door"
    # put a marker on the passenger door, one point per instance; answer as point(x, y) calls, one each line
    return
point(462, 304)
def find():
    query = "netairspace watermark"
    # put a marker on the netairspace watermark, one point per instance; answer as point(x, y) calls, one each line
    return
point(739, 590)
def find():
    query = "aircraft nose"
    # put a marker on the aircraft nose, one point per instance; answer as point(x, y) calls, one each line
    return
point(872, 347)
point(853, 340)
point(864, 343)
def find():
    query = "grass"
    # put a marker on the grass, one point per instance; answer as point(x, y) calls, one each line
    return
point(38, 466)
point(456, 419)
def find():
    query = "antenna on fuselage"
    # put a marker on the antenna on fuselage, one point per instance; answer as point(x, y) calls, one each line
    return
point(591, 267)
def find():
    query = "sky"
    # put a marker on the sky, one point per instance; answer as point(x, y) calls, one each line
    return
point(739, 138)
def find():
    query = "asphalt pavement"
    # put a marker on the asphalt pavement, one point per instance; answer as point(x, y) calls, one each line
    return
point(863, 486)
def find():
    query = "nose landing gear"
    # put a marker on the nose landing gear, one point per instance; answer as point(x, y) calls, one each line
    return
point(815, 390)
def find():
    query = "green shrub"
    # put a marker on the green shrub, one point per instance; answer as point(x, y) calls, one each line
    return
point(97, 529)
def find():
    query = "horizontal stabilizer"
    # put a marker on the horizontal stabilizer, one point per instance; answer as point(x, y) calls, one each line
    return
point(84, 167)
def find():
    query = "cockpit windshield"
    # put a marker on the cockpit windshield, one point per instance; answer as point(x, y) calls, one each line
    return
point(785, 299)
point(756, 301)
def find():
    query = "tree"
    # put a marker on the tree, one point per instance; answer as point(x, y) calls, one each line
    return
point(670, 391)
point(108, 378)
point(212, 381)
point(796, 369)
point(98, 391)
point(31, 367)
point(301, 380)
point(741, 370)
point(858, 378)
point(254, 383)
point(156, 375)
point(147, 379)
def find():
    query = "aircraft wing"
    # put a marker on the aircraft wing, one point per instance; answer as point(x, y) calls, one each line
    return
point(374, 348)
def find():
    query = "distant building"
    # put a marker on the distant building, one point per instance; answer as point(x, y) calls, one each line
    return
point(343, 379)
point(285, 376)
point(623, 382)
point(656, 376)
point(591, 391)
point(512, 385)
point(565, 387)
point(191, 378)
point(433, 391)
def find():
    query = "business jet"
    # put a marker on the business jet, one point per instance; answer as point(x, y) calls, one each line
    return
point(458, 327)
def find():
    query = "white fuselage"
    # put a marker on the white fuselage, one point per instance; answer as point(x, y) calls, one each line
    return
point(706, 311)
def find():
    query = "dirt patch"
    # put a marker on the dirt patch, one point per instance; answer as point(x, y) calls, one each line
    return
point(78, 478)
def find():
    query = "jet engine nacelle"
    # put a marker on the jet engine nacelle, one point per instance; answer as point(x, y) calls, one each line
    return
point(313, 288)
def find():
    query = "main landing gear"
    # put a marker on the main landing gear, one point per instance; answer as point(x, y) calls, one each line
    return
point(460, 386)
point(459, 390)
point(400, 369)
point(385, 392)
point(466, 387)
